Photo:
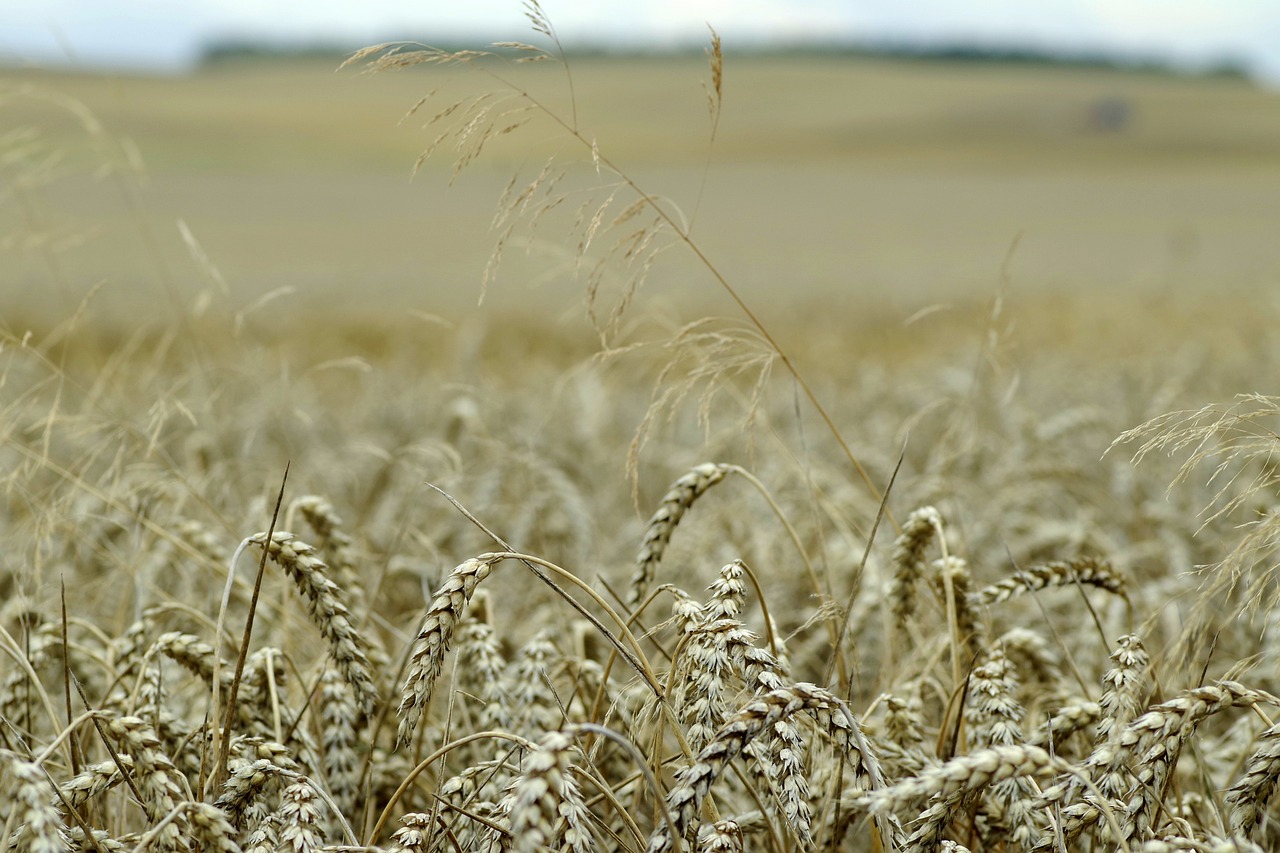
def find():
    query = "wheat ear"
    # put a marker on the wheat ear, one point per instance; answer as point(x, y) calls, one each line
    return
point(693, 783)
point(675, 503)
point(328, 611)
point(1249, 796)
point(547, 809)
point(1089, 571)
point(31, 799)
point(429, 647)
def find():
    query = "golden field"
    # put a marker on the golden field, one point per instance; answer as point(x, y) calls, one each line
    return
point(907, 504)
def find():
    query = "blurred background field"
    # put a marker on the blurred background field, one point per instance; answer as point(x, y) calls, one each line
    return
point(873, 186)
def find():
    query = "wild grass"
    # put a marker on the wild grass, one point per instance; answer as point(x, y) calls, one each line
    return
point(914, 600)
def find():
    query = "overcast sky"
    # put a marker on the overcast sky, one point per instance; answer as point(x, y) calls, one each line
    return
point(167, 34)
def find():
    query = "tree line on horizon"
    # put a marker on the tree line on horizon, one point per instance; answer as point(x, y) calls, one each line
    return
point(225, 50)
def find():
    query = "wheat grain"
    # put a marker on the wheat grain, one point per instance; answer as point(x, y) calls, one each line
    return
point(479, 672)
point(413, 836)
point(728, 593)
point(1157, 737)
point(211, 830)
point(723, 836)
point(964, 773)
point(527, 682)
point(908, 560)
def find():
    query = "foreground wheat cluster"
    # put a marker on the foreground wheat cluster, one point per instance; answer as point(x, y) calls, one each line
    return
point(1000, 668)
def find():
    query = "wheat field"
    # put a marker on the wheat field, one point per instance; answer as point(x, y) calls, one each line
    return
point(996, 574)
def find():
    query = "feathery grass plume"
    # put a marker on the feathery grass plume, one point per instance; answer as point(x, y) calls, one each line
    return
point(31, 798)
point(909, 562)
point(1238, 443)
point(334, 544)
point(1089, 571)
point(675, 503)
point(547, 809)
point(693, 783)
point(347, 646)
point(300, 817)
point(432, 642)
point(414, 836)
point(1249, 796)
